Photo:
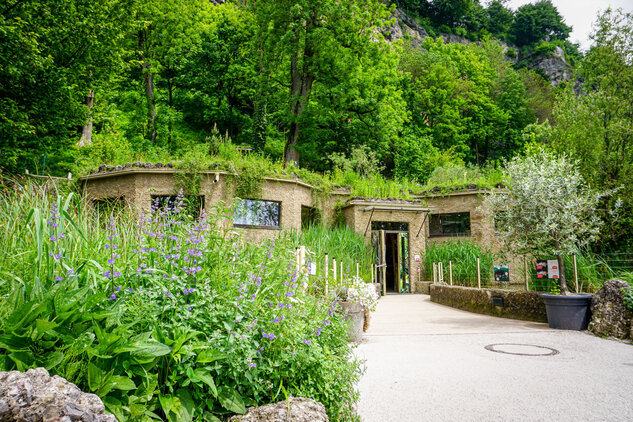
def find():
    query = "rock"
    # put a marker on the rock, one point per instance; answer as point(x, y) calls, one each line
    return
point(35, 396)
point(554, 65)
point(609, 316)
point(158, 165)
point(301, 410)
point(118, 168)
point(102, 168)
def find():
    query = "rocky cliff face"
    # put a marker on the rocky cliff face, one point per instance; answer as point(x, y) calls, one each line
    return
point(553, 65)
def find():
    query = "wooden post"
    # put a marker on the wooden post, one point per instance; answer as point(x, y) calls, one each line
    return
point(434, 273)
point(527, 277)
point(297, 263)
point(327, 269)
point(575, 272)
point(334, 268)
point(341, 273)
point(372, 273)
point(440, 272)
point(302, 256)
point(450, 271)
point(478, 274)
point(357, 269)
point(383, 262)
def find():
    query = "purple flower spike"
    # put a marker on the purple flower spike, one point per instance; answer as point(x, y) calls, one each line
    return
point(308, 342)
point(188, 308)
point(130, 290)
point(59, 278)
point(118, 289)
point(113, 296)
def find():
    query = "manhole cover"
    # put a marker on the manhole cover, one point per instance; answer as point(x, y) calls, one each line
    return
point(522, 349)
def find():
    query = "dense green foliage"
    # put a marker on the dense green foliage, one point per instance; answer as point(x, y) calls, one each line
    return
point(271, 75)
point(597, 126)
point(167, 317)
point(161, 83)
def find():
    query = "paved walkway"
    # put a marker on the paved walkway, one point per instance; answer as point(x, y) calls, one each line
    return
point(428, 362)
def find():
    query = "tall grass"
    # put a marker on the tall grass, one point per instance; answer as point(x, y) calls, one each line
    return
point(340, 243)
point(463, 255)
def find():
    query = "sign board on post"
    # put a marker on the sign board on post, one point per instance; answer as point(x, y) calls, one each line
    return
point(541, 269)
point(552, 269)
point(502, 272)
point(313, 268)
point(417, 258)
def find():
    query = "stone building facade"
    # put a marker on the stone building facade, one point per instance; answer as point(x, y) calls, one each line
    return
point(399, 229)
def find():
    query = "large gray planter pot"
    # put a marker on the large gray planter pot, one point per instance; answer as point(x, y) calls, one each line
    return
point(355, 314)
point(570, 312)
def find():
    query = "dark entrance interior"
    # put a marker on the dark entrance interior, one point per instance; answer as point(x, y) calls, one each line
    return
point(391, 244)
point(391, 260)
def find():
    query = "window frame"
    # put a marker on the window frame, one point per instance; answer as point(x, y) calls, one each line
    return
point(440, 215)
point(171, 199)
point(257, 226)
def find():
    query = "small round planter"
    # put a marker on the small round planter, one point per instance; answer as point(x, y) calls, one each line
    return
point(355, 314)
point(567, 312)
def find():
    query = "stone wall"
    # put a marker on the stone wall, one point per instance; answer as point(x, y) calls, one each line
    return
point(481, 224)
point(138, 185)
point(517, 304)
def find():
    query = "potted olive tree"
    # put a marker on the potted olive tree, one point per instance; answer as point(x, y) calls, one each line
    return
point(546, 208)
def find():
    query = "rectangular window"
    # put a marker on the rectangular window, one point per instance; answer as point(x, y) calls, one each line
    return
point(257, 214)
point(453, 224)
point(310, 216)
point(191, 204)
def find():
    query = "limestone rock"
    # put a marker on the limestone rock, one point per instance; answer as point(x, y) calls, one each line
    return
point(553, 65)
point(35, 396)
point(610, 317)
point(405, 26)
point(301, 410)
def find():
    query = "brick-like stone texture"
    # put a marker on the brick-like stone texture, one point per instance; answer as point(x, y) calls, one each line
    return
point(517, 304)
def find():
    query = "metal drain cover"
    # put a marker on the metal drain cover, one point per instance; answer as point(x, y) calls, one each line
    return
point(522, 349)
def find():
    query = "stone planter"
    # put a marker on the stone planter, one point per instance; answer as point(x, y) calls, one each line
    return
point(378, 287)
point(355, 314)
point(567, 312)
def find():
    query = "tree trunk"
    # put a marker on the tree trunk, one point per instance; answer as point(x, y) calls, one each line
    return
point(86, 132)
point(302, 80)
point(150, 96)
point(562, 280)
point(151, 102)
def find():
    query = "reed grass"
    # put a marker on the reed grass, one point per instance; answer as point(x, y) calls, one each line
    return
point(463, 255)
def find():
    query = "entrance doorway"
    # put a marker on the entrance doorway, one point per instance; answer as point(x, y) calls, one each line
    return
point(391, 245)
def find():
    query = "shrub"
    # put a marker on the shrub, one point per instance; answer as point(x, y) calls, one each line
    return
point(164, 316)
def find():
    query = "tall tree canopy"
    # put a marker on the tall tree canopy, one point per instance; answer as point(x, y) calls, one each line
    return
point(330, 47)
point(538, 21)
point(52, 54)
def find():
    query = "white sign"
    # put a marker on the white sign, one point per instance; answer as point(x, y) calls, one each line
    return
point(552, 269)
point(417, 258)
point(313, 268)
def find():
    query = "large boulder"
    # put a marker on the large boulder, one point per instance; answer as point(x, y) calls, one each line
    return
point(610, 317)
point(296, 409)
point(35, 396)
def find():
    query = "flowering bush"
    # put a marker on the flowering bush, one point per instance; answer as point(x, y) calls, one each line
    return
point(165, 316)
point(362, 293)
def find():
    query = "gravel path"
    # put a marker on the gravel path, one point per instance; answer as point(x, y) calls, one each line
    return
point(428, 362)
